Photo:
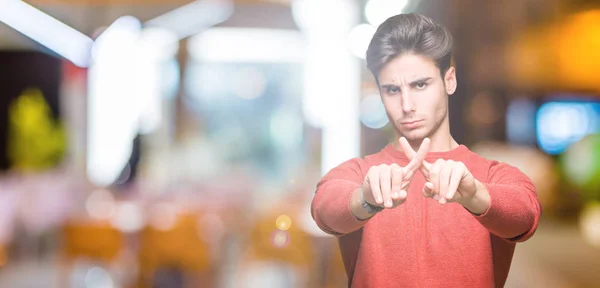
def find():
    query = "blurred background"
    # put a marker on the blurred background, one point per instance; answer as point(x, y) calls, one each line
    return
point(154, 143)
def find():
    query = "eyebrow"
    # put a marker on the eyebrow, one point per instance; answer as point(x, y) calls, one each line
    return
point(424, 79)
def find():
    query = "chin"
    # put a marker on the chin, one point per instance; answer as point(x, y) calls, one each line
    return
point(414, 135)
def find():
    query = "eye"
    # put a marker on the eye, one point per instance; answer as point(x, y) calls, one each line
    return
point(421, 85)
point(393, 90)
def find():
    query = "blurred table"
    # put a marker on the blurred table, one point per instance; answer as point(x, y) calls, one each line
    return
point(555, 257)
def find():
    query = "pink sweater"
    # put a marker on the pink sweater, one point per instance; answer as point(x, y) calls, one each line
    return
point(422, 243)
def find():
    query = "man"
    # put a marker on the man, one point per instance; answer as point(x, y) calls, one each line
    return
point(438, 217)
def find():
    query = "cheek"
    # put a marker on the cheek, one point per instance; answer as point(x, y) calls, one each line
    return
point(432, 103)
point(427, 101)
point(392, 106)
point(441, 107)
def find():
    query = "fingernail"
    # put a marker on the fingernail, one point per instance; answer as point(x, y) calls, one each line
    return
point(395, 194)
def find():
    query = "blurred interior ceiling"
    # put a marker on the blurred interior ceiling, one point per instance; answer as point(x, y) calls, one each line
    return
point(87, 16)
point(498, 34)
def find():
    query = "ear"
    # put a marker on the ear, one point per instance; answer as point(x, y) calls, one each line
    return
point(450, 80)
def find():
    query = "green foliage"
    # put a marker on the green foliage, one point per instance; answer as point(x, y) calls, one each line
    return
point(35, 141)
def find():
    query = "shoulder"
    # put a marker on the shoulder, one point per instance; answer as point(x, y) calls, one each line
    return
point(491, 169)
point(357, 166)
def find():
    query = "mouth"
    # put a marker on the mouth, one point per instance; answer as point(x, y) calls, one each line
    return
point(411, 124)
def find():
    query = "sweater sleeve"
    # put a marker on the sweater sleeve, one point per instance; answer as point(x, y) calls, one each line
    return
point(330, 207)
point(515, 210)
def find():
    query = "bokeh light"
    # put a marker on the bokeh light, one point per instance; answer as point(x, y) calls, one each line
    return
point(100, 204)
point(163, 216)
point(359, 39)
point(590, 223)
point(286, 128)
point(377, 11)
point(251, 83)
point(98, 277)
point(283, 222)
point(560, 124)
point(520, 121)
point(372, 112)
point(211, 227)
point(483, 110)
point(128, 217)
point(581, 165)
point(280, 239)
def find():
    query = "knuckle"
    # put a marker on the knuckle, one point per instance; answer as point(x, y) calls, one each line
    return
point(370, 173)
point(449, 167)
point(373, 175)
point(384, 172)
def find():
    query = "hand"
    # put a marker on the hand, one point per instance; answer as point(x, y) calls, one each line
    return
point(447, 180)
point(387, 185)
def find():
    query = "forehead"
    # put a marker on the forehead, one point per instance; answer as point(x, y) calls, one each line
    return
point(408, 67)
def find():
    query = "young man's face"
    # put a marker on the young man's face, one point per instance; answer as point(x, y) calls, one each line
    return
point(415, 95)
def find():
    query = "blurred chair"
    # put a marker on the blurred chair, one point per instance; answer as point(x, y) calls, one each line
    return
point(284, 254)
point(91, 240)
point(178, 249)
point(3, 256)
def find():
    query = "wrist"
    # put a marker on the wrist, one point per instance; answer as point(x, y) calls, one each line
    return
point(357, 206)
point(370, 208)
point(480, 202)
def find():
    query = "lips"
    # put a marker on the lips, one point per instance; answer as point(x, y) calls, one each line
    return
point(412, 124)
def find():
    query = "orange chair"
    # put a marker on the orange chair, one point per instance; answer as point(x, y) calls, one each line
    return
point(180, 247)
point(292, 247)
point(3, 256)
point(97, 241)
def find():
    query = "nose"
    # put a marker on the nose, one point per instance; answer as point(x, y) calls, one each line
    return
point(408, 105)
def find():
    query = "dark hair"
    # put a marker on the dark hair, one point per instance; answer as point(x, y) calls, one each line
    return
point(409, 33)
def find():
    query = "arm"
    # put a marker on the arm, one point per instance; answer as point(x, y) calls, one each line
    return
point(510, 205)
point(337, 206)
point(336, 197)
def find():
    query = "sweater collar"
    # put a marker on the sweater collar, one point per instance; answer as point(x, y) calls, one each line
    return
point(453, 153)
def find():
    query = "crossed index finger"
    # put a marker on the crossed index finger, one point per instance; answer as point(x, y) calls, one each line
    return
point(417, 158)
